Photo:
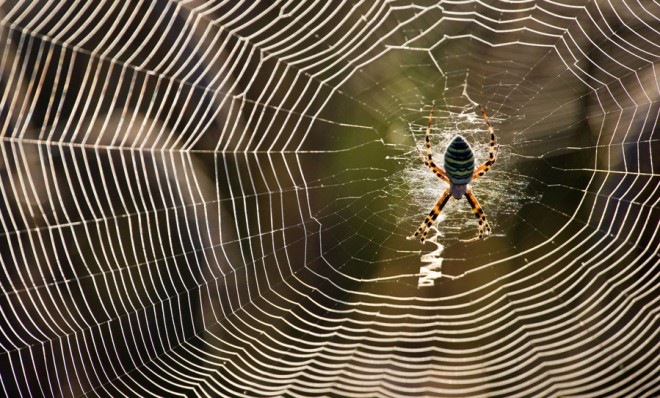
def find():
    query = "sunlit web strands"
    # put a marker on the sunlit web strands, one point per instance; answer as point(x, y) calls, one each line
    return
point(204, 198)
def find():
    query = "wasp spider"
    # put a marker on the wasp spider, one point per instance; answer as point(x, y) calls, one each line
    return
point(459, 172)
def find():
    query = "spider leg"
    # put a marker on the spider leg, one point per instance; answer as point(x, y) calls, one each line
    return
point(479, 214)
point(492, 151)
point(435, 169)
point(428, 161)
point(435, 212)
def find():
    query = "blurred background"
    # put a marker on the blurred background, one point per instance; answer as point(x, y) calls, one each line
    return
point(203, 198)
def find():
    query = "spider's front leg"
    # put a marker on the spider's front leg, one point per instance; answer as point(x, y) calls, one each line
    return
point(479, 214)
point(435, 212)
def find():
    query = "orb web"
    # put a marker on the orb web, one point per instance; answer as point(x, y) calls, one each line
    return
point(205, 198)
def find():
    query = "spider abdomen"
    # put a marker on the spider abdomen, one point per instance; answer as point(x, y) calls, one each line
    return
point(459, 161)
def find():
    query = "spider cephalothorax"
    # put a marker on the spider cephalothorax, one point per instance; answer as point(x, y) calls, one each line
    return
point(459, 172)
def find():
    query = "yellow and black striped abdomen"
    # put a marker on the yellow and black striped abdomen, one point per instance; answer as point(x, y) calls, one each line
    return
point(459, 161)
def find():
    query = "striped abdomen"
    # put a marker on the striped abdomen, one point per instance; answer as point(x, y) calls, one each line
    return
point(459, 161)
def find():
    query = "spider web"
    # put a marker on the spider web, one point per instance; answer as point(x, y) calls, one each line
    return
point(213, 199)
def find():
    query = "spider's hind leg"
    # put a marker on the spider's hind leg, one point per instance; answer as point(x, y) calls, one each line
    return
point(492, 150)
point(478, 212)
point(428, 159)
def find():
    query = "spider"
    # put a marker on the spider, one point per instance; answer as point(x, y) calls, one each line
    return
point(459, 163)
